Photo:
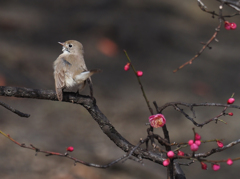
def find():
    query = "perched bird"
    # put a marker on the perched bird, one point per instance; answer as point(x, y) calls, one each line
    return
point(70, 71)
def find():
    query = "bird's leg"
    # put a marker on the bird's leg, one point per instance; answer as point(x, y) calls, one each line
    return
point(76, 96)
point(67, 94)
point(90, 87)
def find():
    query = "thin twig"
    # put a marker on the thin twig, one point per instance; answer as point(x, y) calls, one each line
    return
point(215, 150)
point(187, 164)
point(21, 114)
point(201, 51)
point(218, 161)
point(203, 7)
point(49, 153)
point(142, 141)
point(140, 83)
point(192, 105)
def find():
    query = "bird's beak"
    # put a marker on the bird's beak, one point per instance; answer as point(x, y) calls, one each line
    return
point(61, 43)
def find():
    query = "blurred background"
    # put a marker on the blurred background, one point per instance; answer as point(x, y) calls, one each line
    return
point(159, 36)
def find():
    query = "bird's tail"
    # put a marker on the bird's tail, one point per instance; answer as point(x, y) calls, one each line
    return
point(80, 78)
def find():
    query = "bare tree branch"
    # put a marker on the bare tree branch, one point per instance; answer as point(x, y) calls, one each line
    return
point(90, 104)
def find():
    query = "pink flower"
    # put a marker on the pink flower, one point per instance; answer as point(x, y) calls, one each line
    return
point(157, 120)
point(180, 153)
point(190, 142)
point(166, 162)
point(170, 154)
point(230, 100)
point(229, 161)
point(139, 73)
point(204, 166)
point(194, 147)
point(220, 144)
point(127, 66)
point(198, 142)
point(215, 167)
point(70, 149)
point(197, 136)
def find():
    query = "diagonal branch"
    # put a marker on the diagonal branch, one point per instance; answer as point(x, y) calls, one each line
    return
point(215, 150)
point(201, 51)
point(90, 104)
point(21, 114)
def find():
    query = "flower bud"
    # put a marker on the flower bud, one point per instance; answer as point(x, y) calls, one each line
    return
point(127, 66)
point(233, 26)
point(190, 142)
point(229, 161)
point(230, 100)
point(194, 147)
point(215, 167)
point(220, 144)
point(170, 154)
point(204, 166)
point(70, 149)
point(197, 136)
point(166, 162)
point(227, 25)
point(180, 153)
point(139, 73)
point(198, 142)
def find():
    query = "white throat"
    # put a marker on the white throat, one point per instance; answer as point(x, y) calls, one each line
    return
point(65, 51)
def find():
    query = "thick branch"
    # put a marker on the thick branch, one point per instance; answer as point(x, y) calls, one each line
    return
point(90, 104)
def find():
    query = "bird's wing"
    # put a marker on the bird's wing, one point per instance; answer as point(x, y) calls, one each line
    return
point(59, 76)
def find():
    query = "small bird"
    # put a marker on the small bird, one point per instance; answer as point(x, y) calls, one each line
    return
point(70, 71)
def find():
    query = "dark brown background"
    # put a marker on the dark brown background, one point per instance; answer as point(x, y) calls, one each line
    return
point(159, 36)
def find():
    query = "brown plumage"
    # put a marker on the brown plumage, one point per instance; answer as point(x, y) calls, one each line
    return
point(70, 71)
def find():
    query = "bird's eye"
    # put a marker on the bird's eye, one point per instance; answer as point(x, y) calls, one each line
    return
point(70, 45)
